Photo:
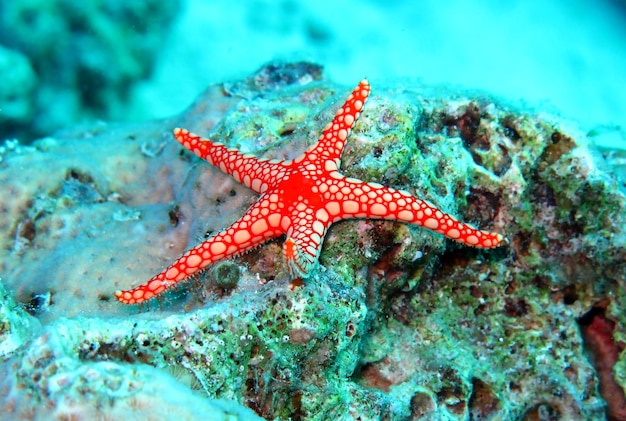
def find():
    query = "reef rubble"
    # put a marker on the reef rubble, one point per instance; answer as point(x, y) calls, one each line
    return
point(396, 323)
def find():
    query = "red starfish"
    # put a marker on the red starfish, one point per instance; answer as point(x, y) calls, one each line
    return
point(301, 198)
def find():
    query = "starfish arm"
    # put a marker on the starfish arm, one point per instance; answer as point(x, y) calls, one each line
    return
point(327, 151)
point(424, 214)
point(256, 174)
point(303, 244)
point(255, 227)
point(357, 199)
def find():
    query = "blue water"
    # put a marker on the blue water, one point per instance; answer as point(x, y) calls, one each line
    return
point(566, 57)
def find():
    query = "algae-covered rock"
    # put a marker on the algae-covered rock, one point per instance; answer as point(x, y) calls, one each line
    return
point(16, 326)
point(396, 323)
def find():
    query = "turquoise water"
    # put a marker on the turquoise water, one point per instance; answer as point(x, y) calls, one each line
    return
point(564, 56)
point(103, 61)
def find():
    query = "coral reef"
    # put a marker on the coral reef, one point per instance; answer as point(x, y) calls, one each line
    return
point(86, 56)
point(57, 376)
point(397, 322)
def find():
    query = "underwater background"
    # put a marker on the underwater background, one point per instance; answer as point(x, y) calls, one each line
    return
point(150, 59)
point(509, 116)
